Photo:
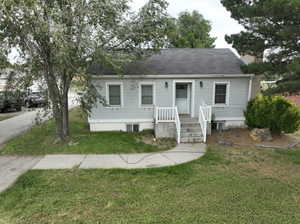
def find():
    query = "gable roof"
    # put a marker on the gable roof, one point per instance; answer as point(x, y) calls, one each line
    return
point(180, 61)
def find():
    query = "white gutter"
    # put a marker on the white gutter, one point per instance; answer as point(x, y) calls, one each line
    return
point(172, 76)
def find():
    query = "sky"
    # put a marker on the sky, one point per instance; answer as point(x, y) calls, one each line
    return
point(212, 10)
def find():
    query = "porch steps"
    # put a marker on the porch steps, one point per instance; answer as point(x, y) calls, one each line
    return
point(190, 130)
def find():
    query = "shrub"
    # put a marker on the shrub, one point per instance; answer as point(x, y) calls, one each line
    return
point(273, 112)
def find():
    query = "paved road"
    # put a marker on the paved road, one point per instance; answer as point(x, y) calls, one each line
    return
point(14, 126)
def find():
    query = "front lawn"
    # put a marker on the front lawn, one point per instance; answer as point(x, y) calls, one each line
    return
point(41, 140)
point(6, 116)
point(227, 185)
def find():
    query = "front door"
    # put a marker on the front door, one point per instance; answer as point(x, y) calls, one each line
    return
point(183, 98)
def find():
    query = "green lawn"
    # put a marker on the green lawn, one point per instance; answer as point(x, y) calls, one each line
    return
point(40, 140)
point(6, 116)
point(227, 185)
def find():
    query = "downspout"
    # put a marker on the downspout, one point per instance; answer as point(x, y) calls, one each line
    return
point(250, 88)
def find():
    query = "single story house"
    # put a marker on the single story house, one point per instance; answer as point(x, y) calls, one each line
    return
point(177, 92)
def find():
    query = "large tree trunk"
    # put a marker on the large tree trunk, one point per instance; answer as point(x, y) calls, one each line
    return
point(61, 116)
point(60, 109)
point(65, 115)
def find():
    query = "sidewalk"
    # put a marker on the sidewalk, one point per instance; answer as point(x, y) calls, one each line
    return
point(180, 154)
point(11, 167)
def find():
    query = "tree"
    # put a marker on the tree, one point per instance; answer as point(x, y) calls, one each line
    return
point(271, 26)
point(59, 39)
point(190, 30)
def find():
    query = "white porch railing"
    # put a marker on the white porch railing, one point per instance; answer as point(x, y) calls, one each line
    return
point(165, 114)
point(207, 110)
point(205, 115)
point(178, 125)
point(168, 114)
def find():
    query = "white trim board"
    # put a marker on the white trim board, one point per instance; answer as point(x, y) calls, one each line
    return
point(173, 76)
point(120, 120)
point(230, 119)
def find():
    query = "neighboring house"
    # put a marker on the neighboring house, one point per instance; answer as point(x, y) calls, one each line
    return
point(3, 79)
point(5, 76)
point(177, 92)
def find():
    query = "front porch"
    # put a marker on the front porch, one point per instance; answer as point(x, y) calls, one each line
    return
point(168, 123)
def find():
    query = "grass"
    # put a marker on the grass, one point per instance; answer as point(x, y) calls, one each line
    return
point(227, 185)
point(6, 116)
point(40, 140)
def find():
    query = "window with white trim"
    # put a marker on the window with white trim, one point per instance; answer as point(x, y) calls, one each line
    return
point(221, 91)
point(114, 95)
point(147, 94)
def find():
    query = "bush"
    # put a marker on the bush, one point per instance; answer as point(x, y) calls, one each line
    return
point(273, 112)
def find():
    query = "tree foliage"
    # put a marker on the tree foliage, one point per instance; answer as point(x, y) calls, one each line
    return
point(190, 30)
point(59, 39)
point(271, 26)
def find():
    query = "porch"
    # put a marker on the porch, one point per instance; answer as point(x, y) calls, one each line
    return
point(185, 128)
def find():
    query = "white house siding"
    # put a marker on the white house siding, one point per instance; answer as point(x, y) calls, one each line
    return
point(107, 119)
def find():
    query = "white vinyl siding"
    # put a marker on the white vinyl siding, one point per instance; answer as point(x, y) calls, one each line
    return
point(164, 96)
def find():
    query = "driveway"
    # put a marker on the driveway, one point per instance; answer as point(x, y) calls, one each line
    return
point(14, 126)
point(11, 167)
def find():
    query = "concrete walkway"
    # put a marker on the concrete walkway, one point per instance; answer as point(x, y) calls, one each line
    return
point(180, 154)
point(11, 167)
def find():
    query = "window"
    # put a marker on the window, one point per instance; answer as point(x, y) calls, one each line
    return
point(147, 95)
point(114, 94)
point(181, 91)
point(221, 91)
point(132, 127)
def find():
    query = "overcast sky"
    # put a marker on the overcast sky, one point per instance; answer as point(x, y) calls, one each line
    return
point(212, 10)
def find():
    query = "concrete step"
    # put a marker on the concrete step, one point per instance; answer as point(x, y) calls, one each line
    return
point(191, 134)
point(186, 125)
point(191, 139)
point(191, 129)
point(189, 120)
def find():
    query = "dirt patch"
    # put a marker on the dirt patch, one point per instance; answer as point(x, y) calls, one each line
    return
point(161, 143)
point(242, 136)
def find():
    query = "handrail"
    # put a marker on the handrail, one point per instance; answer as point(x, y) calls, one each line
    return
point(203, 124)
point(205, 116)
point(168, 114)
point(178, 125)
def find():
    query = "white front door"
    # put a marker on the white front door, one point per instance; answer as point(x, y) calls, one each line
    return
point(183, 98)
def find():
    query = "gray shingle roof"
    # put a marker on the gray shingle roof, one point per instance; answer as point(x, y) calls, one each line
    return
point(183, 61)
